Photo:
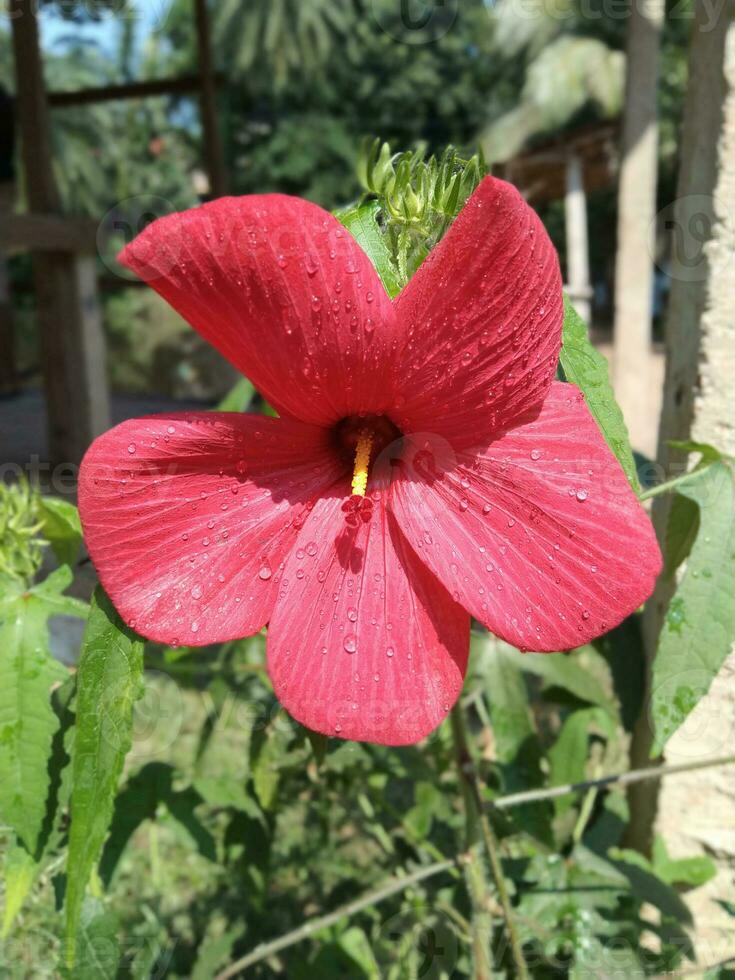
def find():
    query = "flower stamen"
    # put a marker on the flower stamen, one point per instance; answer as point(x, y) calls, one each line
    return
point(362, 461)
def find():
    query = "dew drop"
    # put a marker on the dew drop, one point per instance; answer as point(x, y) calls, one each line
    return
point(582, 495)
point(350, 643)
point(265, 572)
point(131, 448)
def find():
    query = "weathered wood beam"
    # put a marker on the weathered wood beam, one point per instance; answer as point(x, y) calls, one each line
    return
point(47, 233)
point(213, 149)
point(186, 85)
point(69, 321)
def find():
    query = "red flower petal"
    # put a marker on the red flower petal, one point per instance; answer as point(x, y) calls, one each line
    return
point(483, 318)
point(188, 517)
point(280, 288)
point(539, 536)
point(364, 643)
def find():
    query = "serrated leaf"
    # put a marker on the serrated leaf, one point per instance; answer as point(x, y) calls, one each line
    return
point(27, 720)
point(19, 872)
point(238, 398)
point(61, 527)
point(109, 680)
point(699, 628)
point(587, 369)
point(361, 222)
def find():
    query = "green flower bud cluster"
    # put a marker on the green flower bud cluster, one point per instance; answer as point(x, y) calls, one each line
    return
point(21, 543)
point(419, 197)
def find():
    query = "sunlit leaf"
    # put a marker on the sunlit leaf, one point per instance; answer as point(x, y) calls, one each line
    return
point(19, 873)
point(61, 527)
point(361, 221)
point(238, 398)
point(699, 628)
point(109, 680)
point(27, 720)
point(587, 369)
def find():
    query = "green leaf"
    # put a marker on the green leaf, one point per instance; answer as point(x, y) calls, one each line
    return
point(647, 886)
point(362, 223)
point(109, 680)
point(27, 719)
point(563, 670)
point(139, 801)
point(268, 749)
point(681, 532)
point(699, 628)
point(692, 871)
point(97, 953)
point(61, 527)
point(568, 754)
point(516, 741)
point(587, 369)
point(214, 952)
point(20, 872)
point(319, 744)
point(238, 398)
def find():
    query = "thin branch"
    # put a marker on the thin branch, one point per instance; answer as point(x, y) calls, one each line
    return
point(468, 774)
point(622, 779)
point(395, 885)
point(666, 487)
point(391, 887)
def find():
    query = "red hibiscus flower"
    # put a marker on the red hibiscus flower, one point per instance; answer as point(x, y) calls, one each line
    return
point(425, 467)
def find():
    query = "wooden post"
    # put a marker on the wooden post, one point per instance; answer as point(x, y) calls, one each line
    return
point(7, 328)
point(69, 323)
point(575, 214)
point(213, 149)
point(636, 211)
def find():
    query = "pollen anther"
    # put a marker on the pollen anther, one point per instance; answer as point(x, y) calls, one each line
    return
point(362, 461)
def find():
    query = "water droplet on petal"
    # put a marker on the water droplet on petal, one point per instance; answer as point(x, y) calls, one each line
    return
point(350, 643)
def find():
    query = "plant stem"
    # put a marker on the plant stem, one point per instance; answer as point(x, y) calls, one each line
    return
point(391, 887)
point(621, 779)
point(477, 818)
point(666, 487)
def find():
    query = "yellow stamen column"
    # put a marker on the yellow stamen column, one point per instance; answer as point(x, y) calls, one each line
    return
point(362, 461)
